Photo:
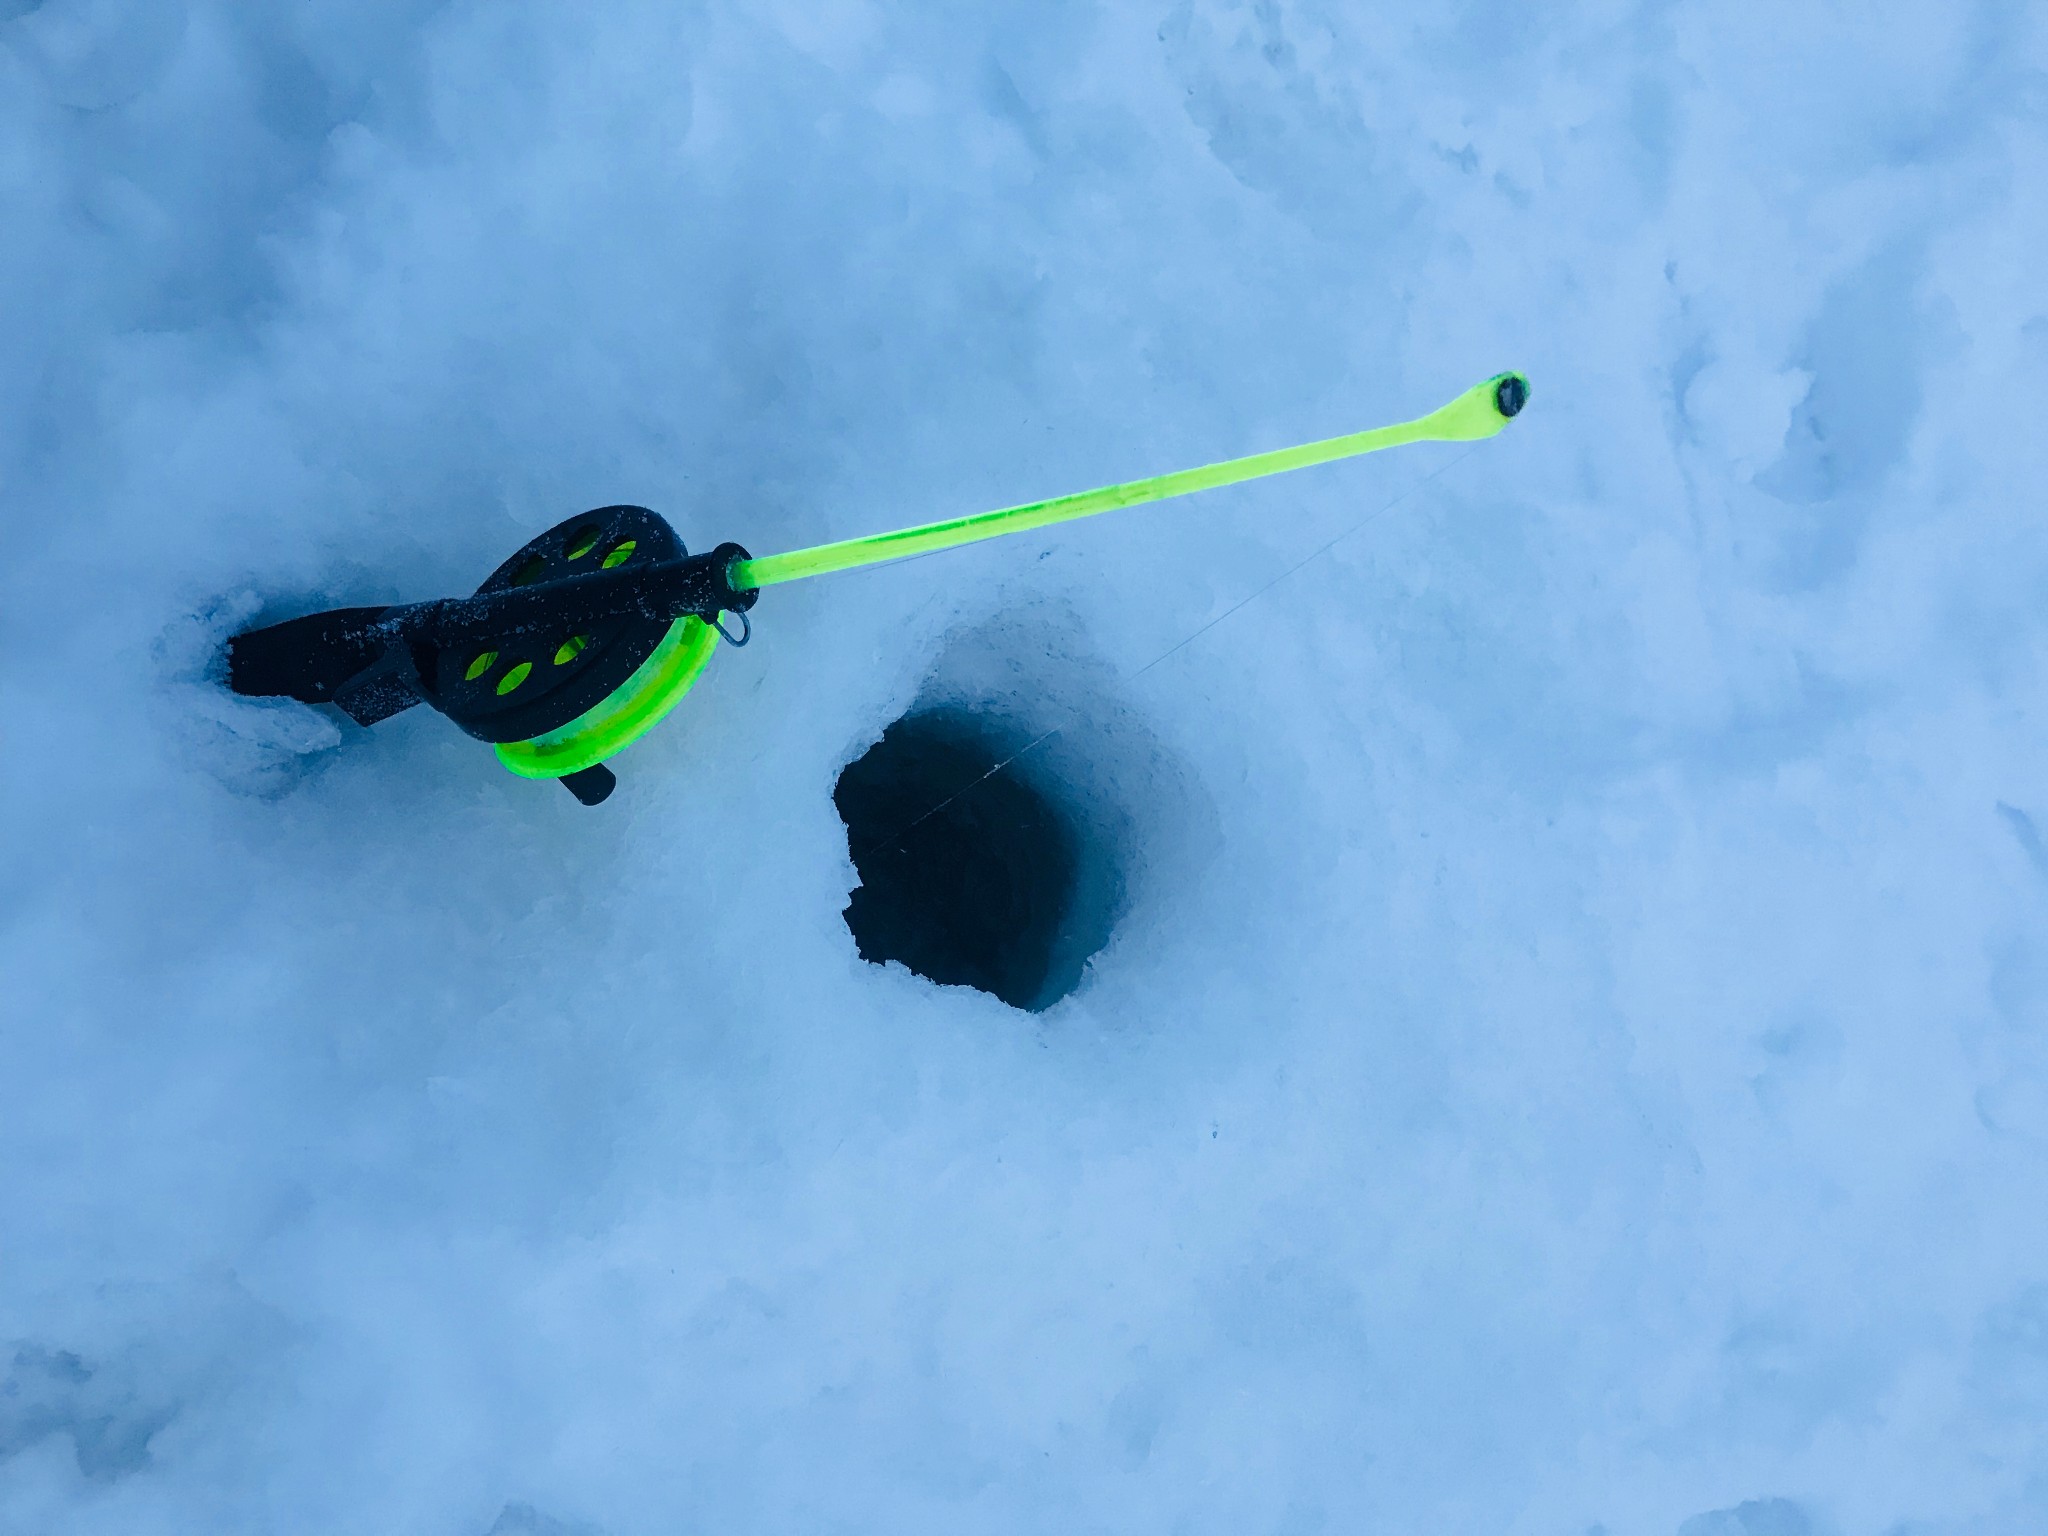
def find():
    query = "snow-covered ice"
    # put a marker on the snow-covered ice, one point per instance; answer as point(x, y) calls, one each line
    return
point(1572, 1051)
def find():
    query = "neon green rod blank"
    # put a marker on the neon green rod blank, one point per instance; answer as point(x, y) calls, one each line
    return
point(1475, 414)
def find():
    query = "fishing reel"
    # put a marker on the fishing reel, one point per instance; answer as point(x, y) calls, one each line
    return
point(570, 650)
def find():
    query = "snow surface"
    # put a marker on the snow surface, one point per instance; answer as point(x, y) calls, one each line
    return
point(1574, 1054)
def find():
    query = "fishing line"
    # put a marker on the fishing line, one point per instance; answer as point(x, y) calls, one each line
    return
point(1179, 645)
point(1303, 563)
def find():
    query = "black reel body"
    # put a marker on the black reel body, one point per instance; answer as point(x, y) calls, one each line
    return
point(517, 687)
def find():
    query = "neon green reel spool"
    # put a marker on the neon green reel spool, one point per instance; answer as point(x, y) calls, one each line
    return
point(629, 713)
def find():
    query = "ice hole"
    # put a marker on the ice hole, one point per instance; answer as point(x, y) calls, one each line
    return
point(975, 870)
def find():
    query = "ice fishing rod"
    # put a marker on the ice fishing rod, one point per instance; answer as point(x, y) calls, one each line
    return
point(580, 642)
